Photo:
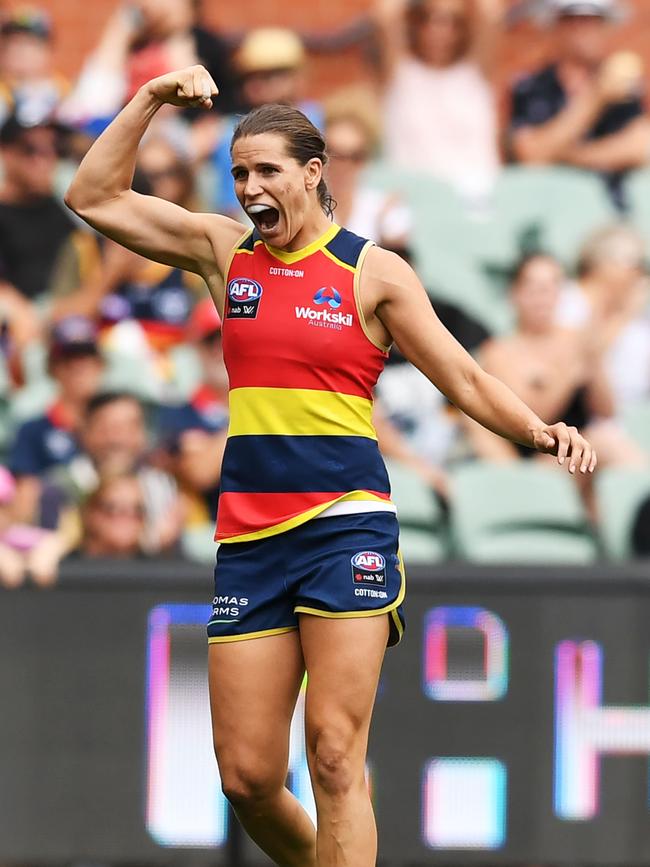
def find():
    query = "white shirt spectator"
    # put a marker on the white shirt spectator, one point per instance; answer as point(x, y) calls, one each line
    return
point(627, 361)
point(443, 121)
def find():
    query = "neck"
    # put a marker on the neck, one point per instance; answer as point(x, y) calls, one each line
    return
point(312, 229)
point(535, 332)
point(602, 299)
point(73, 409)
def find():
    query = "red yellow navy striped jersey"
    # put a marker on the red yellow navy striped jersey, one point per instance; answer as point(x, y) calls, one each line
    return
point(302, 368)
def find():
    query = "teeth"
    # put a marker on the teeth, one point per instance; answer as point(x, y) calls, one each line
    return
point(257, 209)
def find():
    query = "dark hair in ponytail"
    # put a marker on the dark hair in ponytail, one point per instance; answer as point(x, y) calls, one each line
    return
point(304, 141)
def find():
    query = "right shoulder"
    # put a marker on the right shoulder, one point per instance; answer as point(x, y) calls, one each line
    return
point(224, 234)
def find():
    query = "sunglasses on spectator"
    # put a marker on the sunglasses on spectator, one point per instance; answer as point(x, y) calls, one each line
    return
point(124, 510)
point(28, 149)
point(356, 157)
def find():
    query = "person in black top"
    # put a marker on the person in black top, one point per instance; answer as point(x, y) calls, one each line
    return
point(33, 224)
point(585, 109)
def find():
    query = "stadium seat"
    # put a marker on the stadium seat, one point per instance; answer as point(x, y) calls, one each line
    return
point(518, 513)
point(636, 421)
point(637, 193)
point(458, 280)
point(422, 530)
point(197, 543)
point(551, 207)
point(619, 494)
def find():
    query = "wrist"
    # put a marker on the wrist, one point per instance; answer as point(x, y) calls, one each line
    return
point(535, 428)
point(147, 93)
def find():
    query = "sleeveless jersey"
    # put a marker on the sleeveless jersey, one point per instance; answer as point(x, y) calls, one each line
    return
point(302, 368)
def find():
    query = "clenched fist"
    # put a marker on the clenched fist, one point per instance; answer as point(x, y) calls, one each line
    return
point(193, 87)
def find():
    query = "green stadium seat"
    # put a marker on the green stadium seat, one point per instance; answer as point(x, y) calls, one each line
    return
point(197, 543)
point(187, 373)
point(552, 207)
point(636, 421)
point(458, 280)
point(518, 513)
point(637, 193)
point(619, 493)
point(422, 527)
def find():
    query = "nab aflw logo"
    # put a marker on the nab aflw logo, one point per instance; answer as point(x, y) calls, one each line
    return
point(243, 298)
point(368, 567)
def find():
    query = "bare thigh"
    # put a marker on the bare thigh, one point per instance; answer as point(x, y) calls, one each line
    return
point(343, 659)
point(254, 685)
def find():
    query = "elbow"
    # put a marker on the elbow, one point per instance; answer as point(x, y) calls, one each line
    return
point(74, 199)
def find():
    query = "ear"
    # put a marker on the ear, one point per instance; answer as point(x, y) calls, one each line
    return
point(313, 173)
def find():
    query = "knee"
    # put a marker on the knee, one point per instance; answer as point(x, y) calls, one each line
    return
point(336, 765)
point(248, 785)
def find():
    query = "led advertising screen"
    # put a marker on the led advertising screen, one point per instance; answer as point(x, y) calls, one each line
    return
point(512, 725)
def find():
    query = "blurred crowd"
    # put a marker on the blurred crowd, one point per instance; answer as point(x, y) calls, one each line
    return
point(113, 392)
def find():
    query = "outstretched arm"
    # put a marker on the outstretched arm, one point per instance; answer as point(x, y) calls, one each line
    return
point(392, 290)
point(101, 190)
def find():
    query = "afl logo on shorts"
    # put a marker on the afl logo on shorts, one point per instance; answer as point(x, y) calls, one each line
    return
point(328, 295)
point(243, 298)
point(369, 567)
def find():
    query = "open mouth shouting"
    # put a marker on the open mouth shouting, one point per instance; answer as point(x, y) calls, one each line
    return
point(265, 217)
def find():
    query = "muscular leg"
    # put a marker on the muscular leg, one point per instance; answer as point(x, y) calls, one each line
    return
point(254, 685)
point(343, 659)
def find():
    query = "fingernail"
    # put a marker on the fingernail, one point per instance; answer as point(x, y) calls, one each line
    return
point(561, 460)
point(572, 468)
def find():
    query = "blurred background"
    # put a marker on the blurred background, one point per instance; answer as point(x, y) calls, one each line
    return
point(502, 147)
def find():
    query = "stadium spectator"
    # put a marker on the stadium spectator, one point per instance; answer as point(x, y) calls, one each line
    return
point(114, 440)
point(75, 364)
point(142, 306)
point(425, 420)
point(437, 65)
point(559, 372)
point(113, 519)
point(270, 63)
point(25, 549)
point(611, 300)
point(141, 40)
point(28, 81)
point(33, 224)
point(194, 434)
point(352, 134)
point(584, 109)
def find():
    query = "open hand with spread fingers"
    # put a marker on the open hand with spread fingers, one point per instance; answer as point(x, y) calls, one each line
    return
point(568, 444)
point(192, 87)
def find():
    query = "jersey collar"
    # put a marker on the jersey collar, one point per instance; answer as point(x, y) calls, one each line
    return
point(295, 256)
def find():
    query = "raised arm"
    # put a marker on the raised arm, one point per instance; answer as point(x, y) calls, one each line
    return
point(487, 24)
point(392, 32)
point(101, 190)
point(391, 289)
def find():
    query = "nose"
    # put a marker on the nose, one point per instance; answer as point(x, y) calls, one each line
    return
point(253, 187)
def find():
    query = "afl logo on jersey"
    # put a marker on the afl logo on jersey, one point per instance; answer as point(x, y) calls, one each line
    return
point(328, 295)
point(243, 298)
point(369, 567)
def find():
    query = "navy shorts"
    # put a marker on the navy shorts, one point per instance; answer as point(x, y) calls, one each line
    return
point(343, 566)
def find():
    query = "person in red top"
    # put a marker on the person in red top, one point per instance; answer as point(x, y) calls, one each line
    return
point(300, 294)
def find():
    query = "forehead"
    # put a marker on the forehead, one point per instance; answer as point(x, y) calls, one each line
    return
point(266, 147)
